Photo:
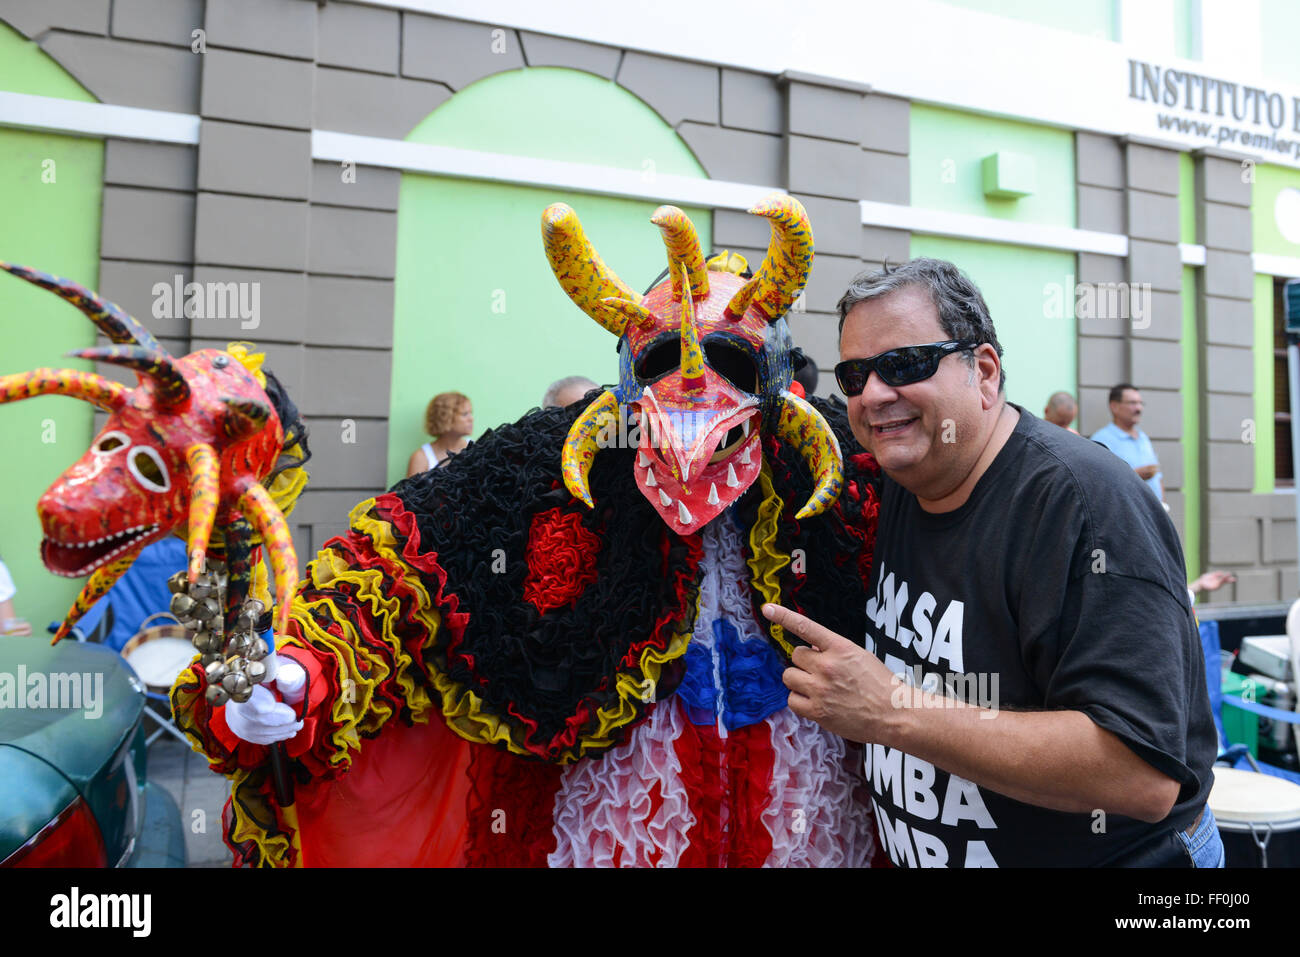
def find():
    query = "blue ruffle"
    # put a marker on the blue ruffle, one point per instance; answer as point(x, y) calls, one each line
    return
point(750, 673)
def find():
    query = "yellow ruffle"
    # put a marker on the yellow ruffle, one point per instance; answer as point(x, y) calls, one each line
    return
point(766, 560)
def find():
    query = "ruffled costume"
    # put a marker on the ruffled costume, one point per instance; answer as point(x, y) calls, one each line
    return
point(624, 683)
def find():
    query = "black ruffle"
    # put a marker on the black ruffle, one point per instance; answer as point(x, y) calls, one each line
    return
point(832, 588)
point(545, 668)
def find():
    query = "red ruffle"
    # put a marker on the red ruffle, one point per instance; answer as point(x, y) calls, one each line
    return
point(561, 559)
point(510, 809)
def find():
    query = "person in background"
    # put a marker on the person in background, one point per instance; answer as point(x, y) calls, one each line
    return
point(1061, 410)
point(562, 393)
point(1210, 581)
point(10, 623)
point(449, 420)
point(1125, 439)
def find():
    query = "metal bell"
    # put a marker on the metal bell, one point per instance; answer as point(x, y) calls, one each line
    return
point(216, 695)
point(256, 650)
point(182, 606)
point(210, 659)
point(216, 671)
point(202, 588)
point(207, 642)
point(256, 672)
point(237, 685)
point(207, 609)
point(177, 583)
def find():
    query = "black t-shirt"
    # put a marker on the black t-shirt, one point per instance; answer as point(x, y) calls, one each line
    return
point(1058, 585)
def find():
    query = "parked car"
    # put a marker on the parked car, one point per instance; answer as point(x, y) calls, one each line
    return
point(73, 788)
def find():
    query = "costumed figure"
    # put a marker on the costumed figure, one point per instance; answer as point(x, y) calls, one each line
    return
point(550, 651)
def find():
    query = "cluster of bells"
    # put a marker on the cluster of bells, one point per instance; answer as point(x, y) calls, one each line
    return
point(233, 663)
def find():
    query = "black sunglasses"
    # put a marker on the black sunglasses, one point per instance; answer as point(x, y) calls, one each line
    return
point(898, 366)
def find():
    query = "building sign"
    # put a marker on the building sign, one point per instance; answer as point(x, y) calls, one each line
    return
point(1218, 112)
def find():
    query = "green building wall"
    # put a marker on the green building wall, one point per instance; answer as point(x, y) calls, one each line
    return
point(1029, 291)
point(50, 194)
point(472, 280)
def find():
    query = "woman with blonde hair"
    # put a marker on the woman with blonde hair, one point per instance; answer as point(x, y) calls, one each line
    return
point(449, 420)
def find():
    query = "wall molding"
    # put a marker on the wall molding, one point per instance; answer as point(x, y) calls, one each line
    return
point(1288, 267)
point(54, 115)
point(71, 117)
point(934, 222)
point(531, 171)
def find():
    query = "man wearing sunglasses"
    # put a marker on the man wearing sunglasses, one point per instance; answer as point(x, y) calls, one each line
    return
point(1032, 690)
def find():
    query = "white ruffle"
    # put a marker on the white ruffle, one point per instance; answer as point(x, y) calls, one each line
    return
point(813, 819)
point(605, 804)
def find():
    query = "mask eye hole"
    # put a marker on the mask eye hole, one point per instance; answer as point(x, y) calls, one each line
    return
point(659, 360)
point(110, 442)
point(733, 364)
point(148, 468)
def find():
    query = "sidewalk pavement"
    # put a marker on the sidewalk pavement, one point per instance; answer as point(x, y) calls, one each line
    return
point(199, 793)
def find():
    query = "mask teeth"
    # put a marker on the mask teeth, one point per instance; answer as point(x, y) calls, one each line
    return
point(665, 499)
point(732, 481)
point(713, 493)
point(650, 479)
point(683, 515)
point(744, 455)
point(642, 460)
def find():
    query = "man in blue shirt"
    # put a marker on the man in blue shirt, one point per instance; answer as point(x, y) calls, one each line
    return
point(1125, 439)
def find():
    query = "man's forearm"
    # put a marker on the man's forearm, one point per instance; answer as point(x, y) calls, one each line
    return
point(1056, 759)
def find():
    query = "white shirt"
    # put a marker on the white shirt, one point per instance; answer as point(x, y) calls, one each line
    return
point(7, 589)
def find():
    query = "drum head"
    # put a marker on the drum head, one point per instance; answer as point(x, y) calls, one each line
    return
point(159, 661)
point(1246, 797)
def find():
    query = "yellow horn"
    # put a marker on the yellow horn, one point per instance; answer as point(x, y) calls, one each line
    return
point(583, 443)
point(785, 268)
point(205, 476)
point(692, 354)
point(260, 509)
point(582, 275)
point(100, 392)
point(801, 426)
point(683, 247)
point(615, 314)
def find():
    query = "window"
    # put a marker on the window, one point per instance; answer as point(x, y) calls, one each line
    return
point(1283, 467)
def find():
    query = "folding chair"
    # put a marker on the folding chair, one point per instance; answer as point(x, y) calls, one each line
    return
point(123, 620)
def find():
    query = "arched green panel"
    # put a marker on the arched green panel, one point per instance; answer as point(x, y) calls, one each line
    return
point(51, 190)
point(477, 309)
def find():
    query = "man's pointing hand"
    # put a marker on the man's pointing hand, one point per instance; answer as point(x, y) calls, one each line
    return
point(842, 687)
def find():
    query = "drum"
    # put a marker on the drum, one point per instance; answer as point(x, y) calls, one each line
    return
point(1258, 817)
point(159, 653)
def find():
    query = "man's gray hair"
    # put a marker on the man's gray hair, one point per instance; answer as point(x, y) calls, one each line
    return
point(550, 400)
point(963, 314)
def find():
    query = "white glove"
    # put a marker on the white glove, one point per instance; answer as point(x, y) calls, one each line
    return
point(262, 719)
point(289, 677)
